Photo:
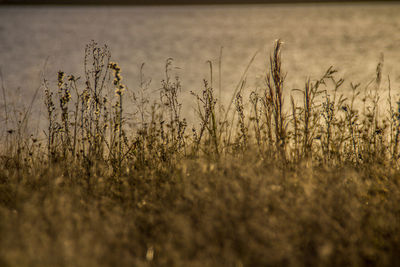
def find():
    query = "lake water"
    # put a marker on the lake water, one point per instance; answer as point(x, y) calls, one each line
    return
point(350, 37)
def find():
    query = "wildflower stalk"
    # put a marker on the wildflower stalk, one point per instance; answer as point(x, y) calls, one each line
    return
point(51, 119)
point(64, 97)
point(119, 90)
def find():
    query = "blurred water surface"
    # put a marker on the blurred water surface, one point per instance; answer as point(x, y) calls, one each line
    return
point(351, 37)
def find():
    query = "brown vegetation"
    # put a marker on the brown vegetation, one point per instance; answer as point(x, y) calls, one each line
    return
point(255, 184)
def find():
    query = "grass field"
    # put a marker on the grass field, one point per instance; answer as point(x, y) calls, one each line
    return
point(117, 180)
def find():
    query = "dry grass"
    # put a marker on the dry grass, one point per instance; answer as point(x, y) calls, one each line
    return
point(252, 185)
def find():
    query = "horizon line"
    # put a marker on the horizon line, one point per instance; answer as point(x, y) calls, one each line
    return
point(177, 2)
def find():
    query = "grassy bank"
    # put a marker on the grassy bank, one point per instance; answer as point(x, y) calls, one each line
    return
point(119, 180)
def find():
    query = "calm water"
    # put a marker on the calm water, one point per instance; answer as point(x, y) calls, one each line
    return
point(350, 37)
